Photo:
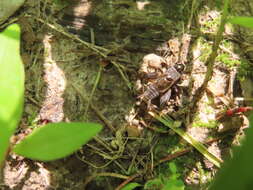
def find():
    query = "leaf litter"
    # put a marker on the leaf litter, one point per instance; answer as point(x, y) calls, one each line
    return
point(135, 147)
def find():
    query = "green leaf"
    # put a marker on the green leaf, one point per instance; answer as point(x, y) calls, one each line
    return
point(173, 167)
point(56, 140)
point(131, 186)
point(237, 172)
point(11, 85)
point(174, 185)
point(167, 121)
point(242, 21)
point(153, 184)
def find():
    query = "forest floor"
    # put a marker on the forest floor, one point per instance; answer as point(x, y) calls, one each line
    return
point(87, 61)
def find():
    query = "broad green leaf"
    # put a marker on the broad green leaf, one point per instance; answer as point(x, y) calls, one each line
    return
point(11, 85)
point(173, 167)
point(174, 185)
point(153, 184)
point(242, 21)
point(8, 8)
point(131, 186)
point(56, 140)
point(237, 173)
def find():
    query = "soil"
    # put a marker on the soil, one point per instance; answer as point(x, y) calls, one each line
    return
point(82, 61)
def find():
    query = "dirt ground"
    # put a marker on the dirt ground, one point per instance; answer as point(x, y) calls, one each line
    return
point(83, 61)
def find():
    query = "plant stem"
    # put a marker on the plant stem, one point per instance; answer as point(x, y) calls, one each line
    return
point(99, 114)
point(105, 174)
point(211, 59)
point(93, 90)
point(197, 145)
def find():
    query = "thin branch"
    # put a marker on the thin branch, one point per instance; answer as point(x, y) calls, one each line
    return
point(105, 174)
point(211, 59)
point(93, 90)
point(99, 114)
point(131, 178)
point(174, 125)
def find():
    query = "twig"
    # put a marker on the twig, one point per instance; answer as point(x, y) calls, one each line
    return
point(92, 36)
point(131, 178)
point(104, 144)
point(97, 77)
point(95, 48)
point(105, 174)
point(182, 152)
point(122, 74)
point(93, 165)
point(174, 125)
point(103, 52)
point(232, 78)
point(211, 60)
point(232, 54)
point(100, 152)
point(108, 123)
point(34, 101)
point(193, 8)
point(99, 114)
point(165, 159)
point(93, 90)
point(8, 23)
point(173, 156)
point(186, 39)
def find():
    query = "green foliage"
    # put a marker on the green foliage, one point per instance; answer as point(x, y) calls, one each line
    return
point(205, 48)
point(237, 172)
point(245, 70)
point(165, 183)
point(211, 25)
point(227, 60)
point(50, 142)
point(174, 183)
point(209, 124)
point(131, 186)
point(56, 140)
point(11, 85)
point(242, 21)
point(60, 4)
point(153, 184)
point(167, 121)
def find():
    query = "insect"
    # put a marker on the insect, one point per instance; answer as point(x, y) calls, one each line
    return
point(161, 86)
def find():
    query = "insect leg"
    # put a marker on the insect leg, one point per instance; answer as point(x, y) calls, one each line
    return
point(165, 97)
point(152, 75)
